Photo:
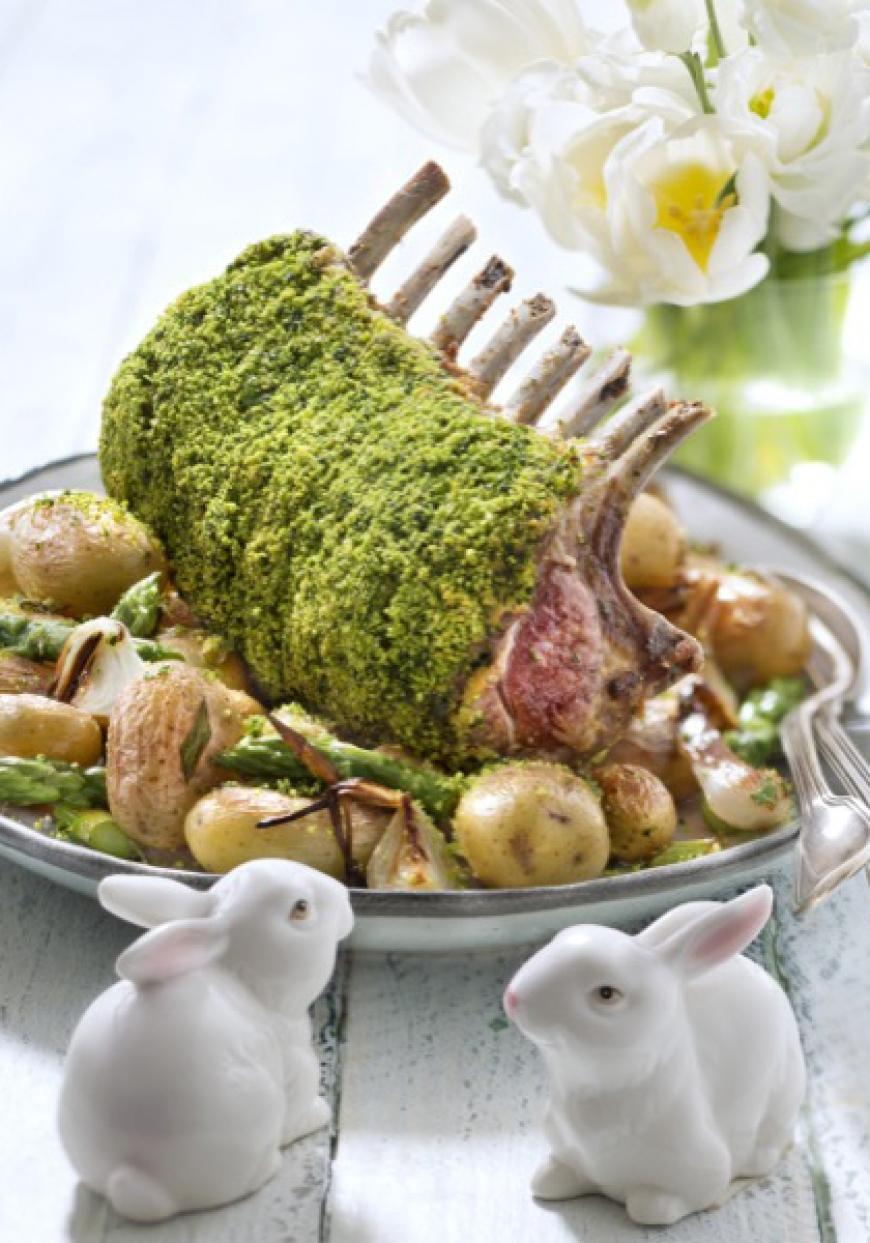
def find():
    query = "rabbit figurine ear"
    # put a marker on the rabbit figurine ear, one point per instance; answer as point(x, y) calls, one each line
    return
point(152, 900)
point(175, 949)
point(717, 933)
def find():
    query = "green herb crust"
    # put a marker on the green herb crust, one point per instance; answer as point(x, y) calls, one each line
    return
point(330, 499)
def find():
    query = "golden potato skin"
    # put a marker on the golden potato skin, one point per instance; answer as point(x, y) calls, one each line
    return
point(206, 651)
point(19, 675)
point(531, 824)
point(653, 544)
point(149, 793)
point(221, 831)
point(79, 551)
point(8, 585)
point(651, 742)
point(758, 630)
point(639, 810)
point(32, 725)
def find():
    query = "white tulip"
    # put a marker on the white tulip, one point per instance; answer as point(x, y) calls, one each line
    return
point(810, 122)
point(619, 72)
point(729, 15)
point(685, 212)
point(667, 25)
point(545, 141)
point(524, 121)
point(862, 46)
point(786, 28)
point(444, 68)
point(562, 171)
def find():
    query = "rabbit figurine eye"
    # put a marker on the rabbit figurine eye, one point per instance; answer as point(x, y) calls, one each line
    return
point(606, 994)
point(300, 911)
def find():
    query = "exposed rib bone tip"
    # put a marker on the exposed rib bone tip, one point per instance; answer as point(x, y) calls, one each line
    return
point(424, 278)
point(548, 377)
point(614, 436)
point(631, 471)
point(426, 188)
point(521, 326)
point(598, 395)
point(495, 274)
point(468, 307)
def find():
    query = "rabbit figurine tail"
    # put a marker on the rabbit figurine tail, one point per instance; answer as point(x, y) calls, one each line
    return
point(184, 1079)
point(134, 1194)
point(675, 1063)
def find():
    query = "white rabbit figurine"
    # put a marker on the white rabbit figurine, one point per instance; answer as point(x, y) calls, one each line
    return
point(183, 1080)
point(675, 1063)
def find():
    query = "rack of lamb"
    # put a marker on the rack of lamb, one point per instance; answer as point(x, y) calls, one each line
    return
point(380, 541)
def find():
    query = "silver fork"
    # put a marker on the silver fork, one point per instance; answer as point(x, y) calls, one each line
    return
point(834, 841)
point(844, 659)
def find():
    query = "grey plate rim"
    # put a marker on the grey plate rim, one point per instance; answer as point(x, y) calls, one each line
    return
point(18, 837)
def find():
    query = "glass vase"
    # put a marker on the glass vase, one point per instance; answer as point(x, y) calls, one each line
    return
point(789, 394)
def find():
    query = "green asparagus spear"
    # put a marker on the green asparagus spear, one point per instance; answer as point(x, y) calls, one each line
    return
point(26, 783)
point(139, 607)
point(94, 827)
point(42, 638)
point(268, 758)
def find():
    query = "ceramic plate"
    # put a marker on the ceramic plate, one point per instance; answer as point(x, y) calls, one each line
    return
point(478, 919)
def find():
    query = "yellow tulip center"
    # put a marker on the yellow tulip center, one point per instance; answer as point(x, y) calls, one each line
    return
point(762, 102)
point(690, 202)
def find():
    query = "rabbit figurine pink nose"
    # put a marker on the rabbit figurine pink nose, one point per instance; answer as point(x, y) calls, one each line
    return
point(675, 1063)
point(184, 1080)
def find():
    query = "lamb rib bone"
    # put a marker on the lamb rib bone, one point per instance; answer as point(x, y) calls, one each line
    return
point(426, 188)
point(521, 326)
point(613, 437)
point(598, 395)
point(551, 373)
point(424, 278)
point(469, 306)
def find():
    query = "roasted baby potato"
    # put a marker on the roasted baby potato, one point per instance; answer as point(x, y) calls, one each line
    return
point(653, 544)
point(640, 813)
point(207, 651)
point(221, 831)
point(531, 824)
point(165, 729)
point(8, 585)
point(17, 675)
point(651, 742)
point(76, 549)
point(758, 630)
point(32, 725)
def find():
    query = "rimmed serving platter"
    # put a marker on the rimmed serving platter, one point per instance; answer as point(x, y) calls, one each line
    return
point(479, 919)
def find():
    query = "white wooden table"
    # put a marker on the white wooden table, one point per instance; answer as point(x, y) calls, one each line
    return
point(436, 1099)
point(144, 144)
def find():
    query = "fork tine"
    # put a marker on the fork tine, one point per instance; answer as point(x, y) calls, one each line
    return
point(598, 395)
point(521, 326)
point(547, 378)
point(844, 757)
point(424, 278)
point(613, 437)
point(426, 188)
point(474, 301)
